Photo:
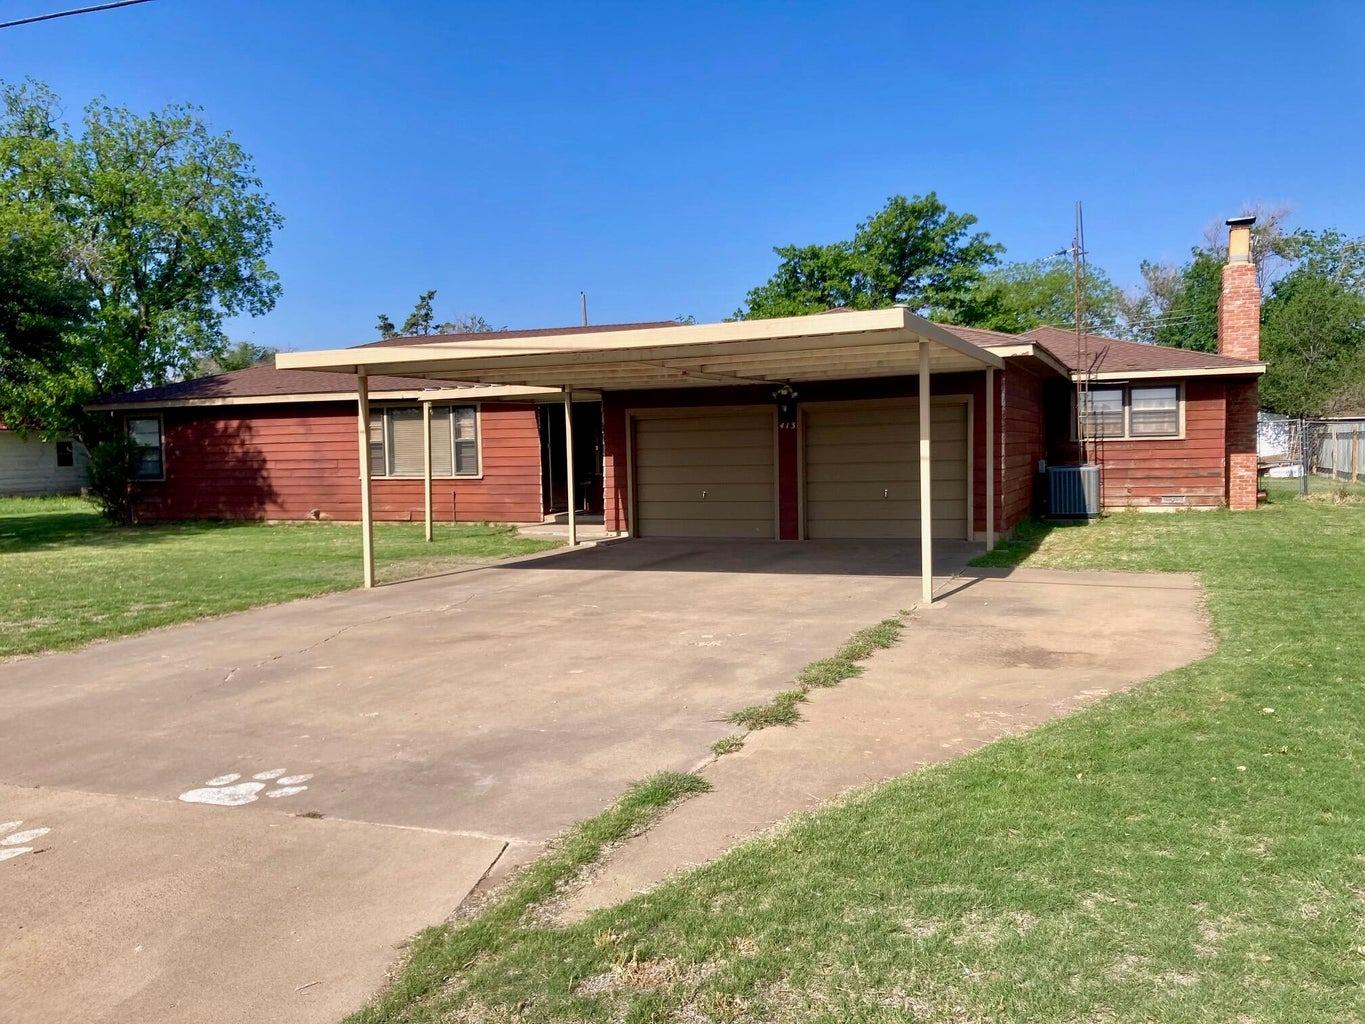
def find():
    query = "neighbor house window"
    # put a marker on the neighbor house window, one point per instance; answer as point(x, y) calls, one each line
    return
point(396, 441)
point(1133, 411)
point(66, 455)
point(148, 459)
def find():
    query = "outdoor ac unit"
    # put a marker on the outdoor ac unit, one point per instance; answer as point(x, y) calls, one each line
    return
point(1073, 492)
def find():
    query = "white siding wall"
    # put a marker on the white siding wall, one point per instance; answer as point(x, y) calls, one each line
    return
point(30, 467)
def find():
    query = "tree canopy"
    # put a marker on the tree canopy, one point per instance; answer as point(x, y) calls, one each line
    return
point(913, 251)
point(161, 222)
point(422, 320)
point(241, 356)
point(1017, 297)
point(1313, 342)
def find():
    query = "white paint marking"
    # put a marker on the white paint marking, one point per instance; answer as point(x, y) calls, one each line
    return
point(225, 796)
point(274, 773)
point(286, 791)
point(292, 780)
point(26, 836)
point(15, 852)
point(223, 780)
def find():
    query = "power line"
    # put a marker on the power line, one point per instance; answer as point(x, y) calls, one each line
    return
point(67, 14)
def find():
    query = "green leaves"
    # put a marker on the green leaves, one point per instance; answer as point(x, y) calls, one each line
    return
point(913, 251)
point(163, 222)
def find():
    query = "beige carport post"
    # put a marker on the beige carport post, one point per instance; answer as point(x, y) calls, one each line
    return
point(926, 506)
point(990, 457)
point(568, 467)
point(426, 464)
point(362, 388)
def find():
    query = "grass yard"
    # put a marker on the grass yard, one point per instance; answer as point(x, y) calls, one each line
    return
point(1192, 851)
point(67, 577)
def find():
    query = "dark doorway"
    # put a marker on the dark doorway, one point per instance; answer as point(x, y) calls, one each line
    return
point(587, 457)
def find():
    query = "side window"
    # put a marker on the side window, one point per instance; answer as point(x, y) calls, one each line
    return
point(1104, 412)
point(66, 454)
point(148, 459)
point(465, 422)
point(1154, 412)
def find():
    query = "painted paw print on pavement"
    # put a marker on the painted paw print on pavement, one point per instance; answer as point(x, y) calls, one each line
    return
point(13, 843)
point(230, 791)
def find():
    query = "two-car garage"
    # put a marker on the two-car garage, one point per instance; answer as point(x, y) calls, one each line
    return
point(714, 472)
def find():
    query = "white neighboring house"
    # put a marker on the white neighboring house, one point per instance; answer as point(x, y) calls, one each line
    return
point(32, 466)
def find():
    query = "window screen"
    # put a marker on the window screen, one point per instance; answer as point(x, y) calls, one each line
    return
point(145, 434)
point(1154, 412)
point(66, 455)
point(1105, 412)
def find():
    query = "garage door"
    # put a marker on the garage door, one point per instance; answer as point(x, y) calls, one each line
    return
point(862, 470)
point(705, 475)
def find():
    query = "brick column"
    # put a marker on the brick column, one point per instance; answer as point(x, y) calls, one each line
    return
point(1242, 403)
point(1239, 336)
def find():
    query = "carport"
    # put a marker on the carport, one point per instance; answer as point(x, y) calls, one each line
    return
point(777, 355)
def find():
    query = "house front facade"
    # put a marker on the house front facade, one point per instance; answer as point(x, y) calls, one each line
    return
point(805, 428)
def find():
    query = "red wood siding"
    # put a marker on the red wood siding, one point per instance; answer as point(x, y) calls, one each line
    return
point(1022, 423)
point(286, 461)
point(1137, 473)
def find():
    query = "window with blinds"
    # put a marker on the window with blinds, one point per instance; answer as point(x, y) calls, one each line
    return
point(1133, 411)
point(1154, 412)
point(396, 441)
point(1104, 412)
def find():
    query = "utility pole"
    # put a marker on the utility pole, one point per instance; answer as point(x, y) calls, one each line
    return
point(583, 306)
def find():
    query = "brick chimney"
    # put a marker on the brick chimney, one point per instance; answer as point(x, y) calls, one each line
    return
point(1239, 336)
point(1239, 302)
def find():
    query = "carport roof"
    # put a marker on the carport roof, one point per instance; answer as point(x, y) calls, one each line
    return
point(865, 343)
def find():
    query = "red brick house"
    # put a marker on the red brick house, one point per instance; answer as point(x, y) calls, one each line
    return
point(799, 428)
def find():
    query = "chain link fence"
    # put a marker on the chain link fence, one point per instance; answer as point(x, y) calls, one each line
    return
point(1321, 455)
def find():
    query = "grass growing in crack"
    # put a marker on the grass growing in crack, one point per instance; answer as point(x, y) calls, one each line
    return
point(781, 710)
point(727, 745)
point(821, 674)
point(446, 949)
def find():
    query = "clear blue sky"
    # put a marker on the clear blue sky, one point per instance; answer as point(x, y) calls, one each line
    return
point(652, 154)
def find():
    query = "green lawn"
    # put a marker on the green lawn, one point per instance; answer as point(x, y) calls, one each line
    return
point(66, 577)
point(1192, 851)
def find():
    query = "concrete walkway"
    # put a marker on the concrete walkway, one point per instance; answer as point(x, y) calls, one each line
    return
point(242, 819)
point(1000, 652)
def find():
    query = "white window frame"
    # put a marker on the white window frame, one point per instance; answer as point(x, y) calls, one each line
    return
point(380, 462)
point(160, 438)
point(1128, 389)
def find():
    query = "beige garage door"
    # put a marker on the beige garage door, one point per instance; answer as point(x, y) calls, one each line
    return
point(706, 475)
point(862, 470)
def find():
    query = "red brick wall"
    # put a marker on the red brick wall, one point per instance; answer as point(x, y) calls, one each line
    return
point(282, 462)
point(1239, 312)
point(1137, 473)
point(1243, 401)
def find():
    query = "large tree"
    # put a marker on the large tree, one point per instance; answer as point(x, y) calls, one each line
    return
point(1313, 342)
point(165, 224)
point(42, 299)
point(1017, 297)
point(422, 321)
point(913, 251)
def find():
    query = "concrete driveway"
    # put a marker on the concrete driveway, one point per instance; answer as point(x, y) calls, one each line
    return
point(242, 819)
